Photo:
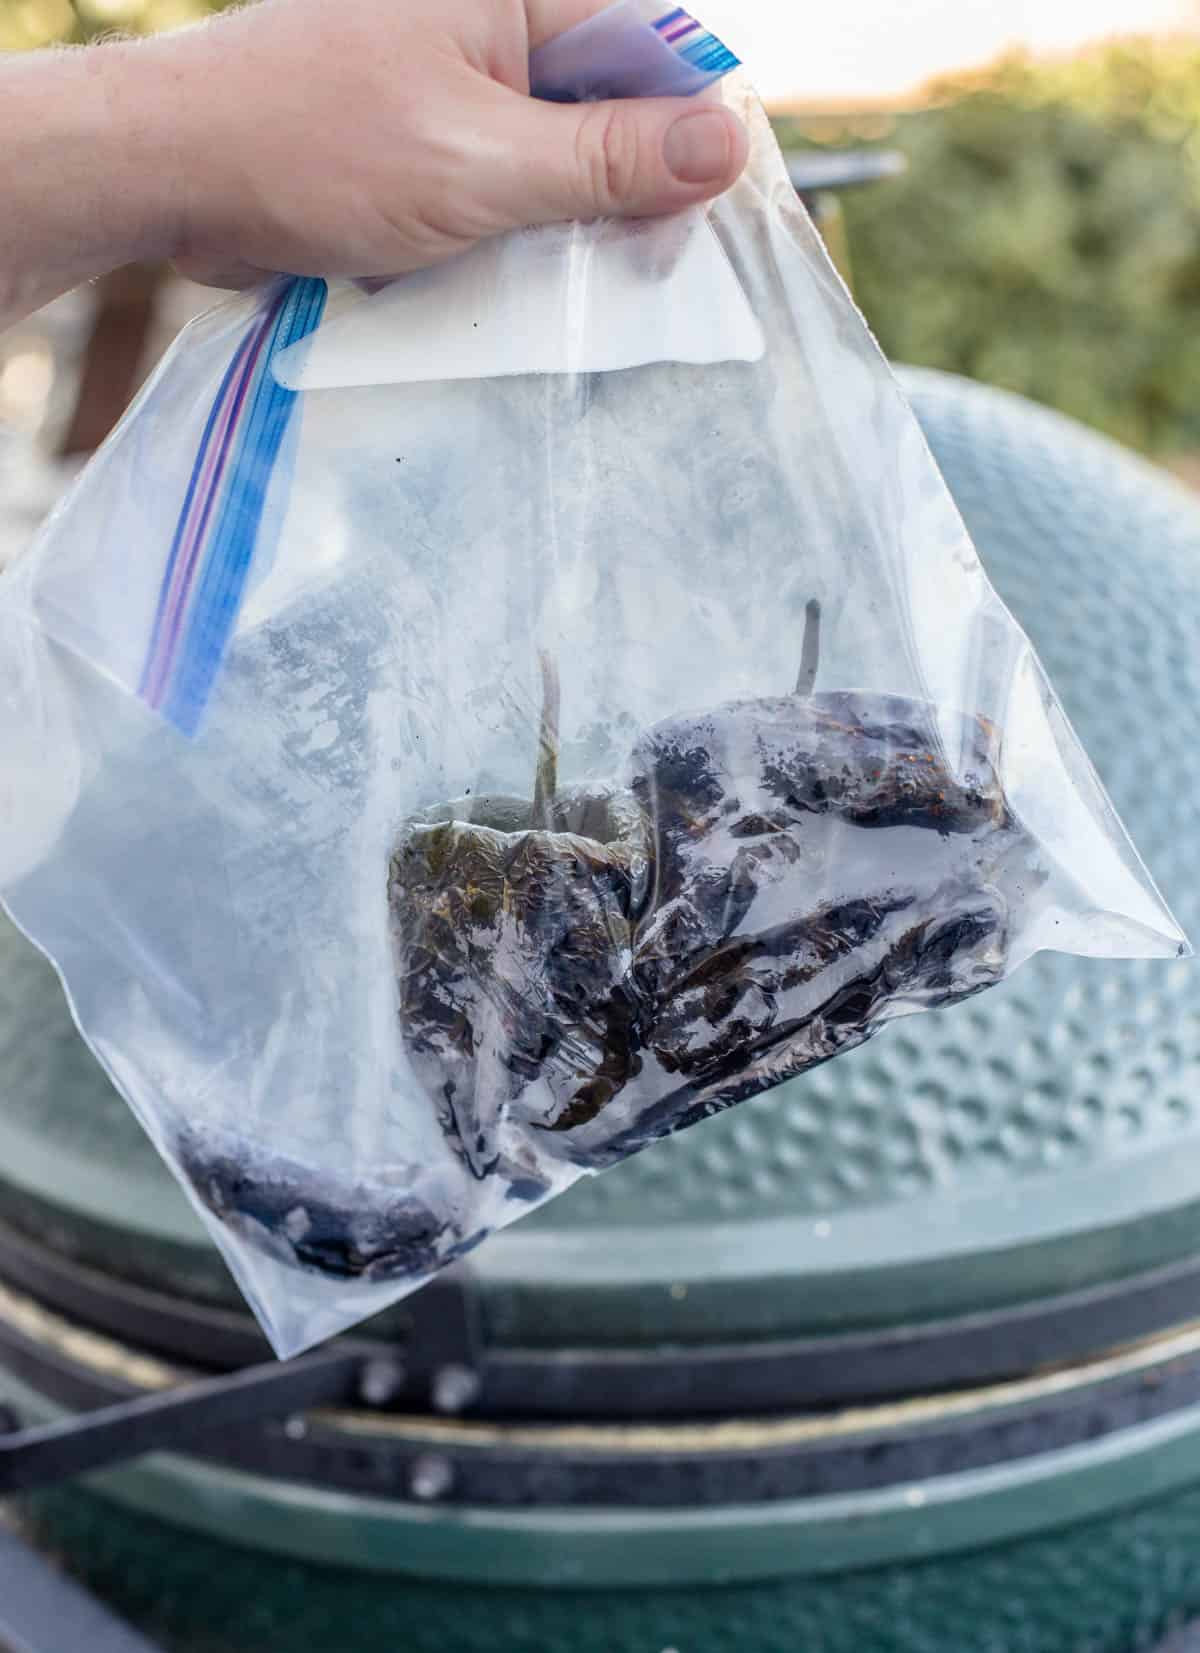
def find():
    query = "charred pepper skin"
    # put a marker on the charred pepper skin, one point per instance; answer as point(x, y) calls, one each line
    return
point(579, 976)
point(511, 948)
point(631, 1012)
point(754, 799)
point(820, 867)
point(347, 1231)
point(924, 966)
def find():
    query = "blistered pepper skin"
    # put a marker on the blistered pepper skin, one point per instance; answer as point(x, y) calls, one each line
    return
point(346, 1231)
point(511, 950)
point(820, 866)
point(770, 883)
point(776, 928)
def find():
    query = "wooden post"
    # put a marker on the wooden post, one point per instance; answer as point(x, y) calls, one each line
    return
point(113, 356)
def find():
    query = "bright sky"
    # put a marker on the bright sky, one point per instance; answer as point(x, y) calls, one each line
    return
point(809, 49)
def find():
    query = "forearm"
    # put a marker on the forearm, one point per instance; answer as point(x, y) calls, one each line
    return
point(86, 183)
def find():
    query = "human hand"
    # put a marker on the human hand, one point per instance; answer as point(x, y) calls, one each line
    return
point(369, 137)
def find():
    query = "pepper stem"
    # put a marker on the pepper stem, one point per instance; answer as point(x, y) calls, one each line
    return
point(810, 653)
point(545, 786)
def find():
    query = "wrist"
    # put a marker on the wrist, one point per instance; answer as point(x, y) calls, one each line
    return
point(105, 146)
point(143, 101)
point(186, 87)
point(82, 190)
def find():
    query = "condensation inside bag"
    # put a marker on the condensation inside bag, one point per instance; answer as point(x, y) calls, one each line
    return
point(523, 824)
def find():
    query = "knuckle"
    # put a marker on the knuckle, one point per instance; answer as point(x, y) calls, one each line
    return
point(610, 160)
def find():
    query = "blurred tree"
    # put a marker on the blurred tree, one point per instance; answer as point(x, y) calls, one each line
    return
point(26, 23)
point(1047, 236)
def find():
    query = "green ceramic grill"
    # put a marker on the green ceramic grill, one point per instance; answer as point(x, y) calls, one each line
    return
point(901, 1355)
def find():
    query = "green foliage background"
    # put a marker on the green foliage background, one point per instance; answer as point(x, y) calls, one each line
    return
point(1046, 236)
point(26, 23)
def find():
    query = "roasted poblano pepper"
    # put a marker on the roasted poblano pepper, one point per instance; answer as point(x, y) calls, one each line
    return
point(775, 880)
point(819, 870)
point(513, 951)
point(581, 973)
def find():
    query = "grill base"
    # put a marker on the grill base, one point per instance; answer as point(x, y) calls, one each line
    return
point(1117, 1586)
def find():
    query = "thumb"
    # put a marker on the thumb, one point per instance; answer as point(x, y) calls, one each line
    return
point(634, 158)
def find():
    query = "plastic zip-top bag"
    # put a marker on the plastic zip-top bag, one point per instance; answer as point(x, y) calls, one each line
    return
point(459, 733)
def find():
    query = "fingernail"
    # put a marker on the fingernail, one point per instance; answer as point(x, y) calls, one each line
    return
point(696, 148)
